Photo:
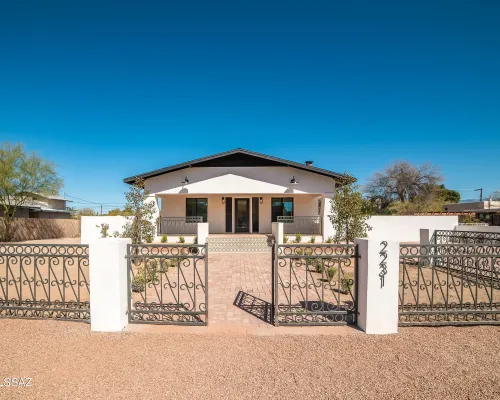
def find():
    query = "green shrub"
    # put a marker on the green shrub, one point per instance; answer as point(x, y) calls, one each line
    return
point(285, 239)
point(149, 238)
point(308, 252)
point(329, 240)
point(313, 239)
point(298, 238)
point(181, 239)
point(164, 239)
point(346, 283)
point(316, 264)
point(330, 273)
point(144, 275)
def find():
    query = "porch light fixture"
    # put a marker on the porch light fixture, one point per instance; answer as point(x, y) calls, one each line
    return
point(185, 181)
point(223, 200)
point(293, 181)
point(260, 200)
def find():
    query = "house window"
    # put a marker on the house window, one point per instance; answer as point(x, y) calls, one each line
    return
point(197, 208)
point(281, 207)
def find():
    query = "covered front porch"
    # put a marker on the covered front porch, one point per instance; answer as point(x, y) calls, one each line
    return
point(243, 214)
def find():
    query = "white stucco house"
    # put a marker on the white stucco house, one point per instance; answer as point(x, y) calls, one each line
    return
point(241, 191)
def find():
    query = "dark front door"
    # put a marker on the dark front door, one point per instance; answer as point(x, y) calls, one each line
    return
point(242, 215)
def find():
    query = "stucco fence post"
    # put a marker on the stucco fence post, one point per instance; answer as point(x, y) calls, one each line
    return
point(202, 232)
point(108, 279)
point(277, 232)
point(378, 298)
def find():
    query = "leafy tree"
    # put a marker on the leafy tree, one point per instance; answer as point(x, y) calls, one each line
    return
point(126, 212)
point(495, 196)
point(114, 212)
point(22, 175)
point(140, 227)
point(403, 182)
point(349, 212)
point(85, 212)
point(448, 195)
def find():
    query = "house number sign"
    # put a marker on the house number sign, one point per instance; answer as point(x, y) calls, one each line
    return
point(383, 264)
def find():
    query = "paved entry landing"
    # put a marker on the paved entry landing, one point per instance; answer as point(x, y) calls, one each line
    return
point(239, 287)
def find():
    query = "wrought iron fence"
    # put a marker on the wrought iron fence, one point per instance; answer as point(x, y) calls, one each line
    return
point(178, 225)
point(310, 225)
point(451, 284)
point(465, 237)
point(314, 284)
point(44, 281)
point(168, 284)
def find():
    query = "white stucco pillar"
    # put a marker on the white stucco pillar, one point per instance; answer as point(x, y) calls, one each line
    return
point(156, 212)
point(328, 229)
point(377, 299)
point(277, 231)
point(425, 237)
point(108, 276)
point(202, 232)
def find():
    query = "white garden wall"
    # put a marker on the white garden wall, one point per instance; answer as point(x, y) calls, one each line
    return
point(91, 227)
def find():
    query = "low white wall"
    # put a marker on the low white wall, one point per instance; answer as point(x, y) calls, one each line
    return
point(401, 228)
point(471, 228)
point(407, 228)
point(91, 227)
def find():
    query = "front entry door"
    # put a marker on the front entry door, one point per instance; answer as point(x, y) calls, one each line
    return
point(242, 215)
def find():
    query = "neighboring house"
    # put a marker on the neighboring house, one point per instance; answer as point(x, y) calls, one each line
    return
point(241, 191)
point(487, 211)
point(43, 206)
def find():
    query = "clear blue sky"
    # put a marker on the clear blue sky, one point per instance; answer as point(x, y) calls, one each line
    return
point(110, 89)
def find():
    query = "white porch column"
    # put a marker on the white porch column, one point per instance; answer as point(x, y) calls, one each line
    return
point(328, 229)
point(378, 299)
point(277, 231)
point(108, 276)
point(202, 232)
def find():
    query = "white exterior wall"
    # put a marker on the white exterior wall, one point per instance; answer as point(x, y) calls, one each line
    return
point(90, 232)
point(243, 180)
point(175, 206)
point(400, 228)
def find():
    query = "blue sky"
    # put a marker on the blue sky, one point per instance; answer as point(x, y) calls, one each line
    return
point(110, 89)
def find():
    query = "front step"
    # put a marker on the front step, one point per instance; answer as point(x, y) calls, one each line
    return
point(244, 244)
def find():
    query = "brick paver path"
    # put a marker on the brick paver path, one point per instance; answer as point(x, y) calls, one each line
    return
point(239, 289)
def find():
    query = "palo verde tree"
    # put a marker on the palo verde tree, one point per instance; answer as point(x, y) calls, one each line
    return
point(22, 175)
point(349, 212)
point(140, 227)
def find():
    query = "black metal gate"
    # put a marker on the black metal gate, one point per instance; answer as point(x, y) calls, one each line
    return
point(168, 284)
point(449, 284)
point(314, 284)
point(44, 281)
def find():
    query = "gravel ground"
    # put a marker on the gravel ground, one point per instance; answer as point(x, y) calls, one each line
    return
point(66, 360)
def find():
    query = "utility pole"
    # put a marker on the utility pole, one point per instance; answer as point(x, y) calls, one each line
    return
point(101, 208)
point(480, 193)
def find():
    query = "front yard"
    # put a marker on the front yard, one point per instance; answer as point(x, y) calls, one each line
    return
point(66, 360)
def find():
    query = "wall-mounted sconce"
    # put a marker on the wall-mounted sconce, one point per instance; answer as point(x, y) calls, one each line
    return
point(260, 200)
point(185, 181)
point(293, 181)
point(223, 200)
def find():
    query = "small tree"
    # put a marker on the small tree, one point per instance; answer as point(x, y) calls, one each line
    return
point(22, 175)
point(349, 212)
point(141, 226)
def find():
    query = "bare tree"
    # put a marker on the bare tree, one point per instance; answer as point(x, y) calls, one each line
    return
point(403, 182)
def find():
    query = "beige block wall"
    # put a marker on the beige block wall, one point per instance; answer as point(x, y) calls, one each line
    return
point(37, 228)
point(175, 206)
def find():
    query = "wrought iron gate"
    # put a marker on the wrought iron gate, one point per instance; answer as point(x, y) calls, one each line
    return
point(44, 281)
point(449, 284)
point(314, 284)
point(168, 284)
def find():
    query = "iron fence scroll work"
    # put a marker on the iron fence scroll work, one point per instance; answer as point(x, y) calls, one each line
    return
point(44, 281)
point(314, 284)
point(168, 284)
point(466, 237)
point(449, 284)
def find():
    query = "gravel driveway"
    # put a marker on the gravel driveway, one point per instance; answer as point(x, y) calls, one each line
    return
point(66, 360)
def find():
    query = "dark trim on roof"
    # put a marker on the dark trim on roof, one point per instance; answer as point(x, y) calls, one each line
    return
point(193, 163)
